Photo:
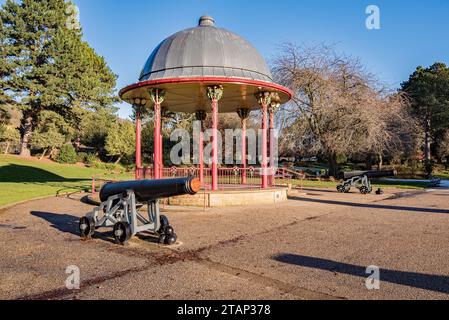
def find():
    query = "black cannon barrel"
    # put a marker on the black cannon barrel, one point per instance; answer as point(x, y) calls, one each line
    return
point(369, 174)
point(146, 190)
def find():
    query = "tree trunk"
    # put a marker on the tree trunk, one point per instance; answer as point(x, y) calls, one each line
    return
point(333, 165)
point(51, 152)
point(77, 143)
point(427, 141)
point(43, 154)
point(118, 160)
point(428, 160)
point(7, 147)
point(380, 163)
point(27, 131)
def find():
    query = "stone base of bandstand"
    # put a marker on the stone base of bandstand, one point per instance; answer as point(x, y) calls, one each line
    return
point(231, 198)
point(220, 199)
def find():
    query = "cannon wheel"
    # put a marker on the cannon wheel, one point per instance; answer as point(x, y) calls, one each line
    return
point(346, 188)
point(162, 238)
point(364, 190)
point(169, 230)
point(86, 227)
point(171, 239)
point(164, 222)
point(122, 232)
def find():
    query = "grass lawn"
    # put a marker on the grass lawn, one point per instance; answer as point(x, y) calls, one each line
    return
point(22, 179)
point(376, 184)
point(442, 174)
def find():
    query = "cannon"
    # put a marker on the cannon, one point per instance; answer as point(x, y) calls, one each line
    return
point(122, 203)
point(361, 180)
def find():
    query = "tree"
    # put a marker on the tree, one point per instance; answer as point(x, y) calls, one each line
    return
point(67, 154)
point(428, 89)
point(52, 132)
point(338, 109)
point(9, 122)
point(88, 83)
point(121, 139)
point(9, 135)
point(443, 147)
point(48, 66)
point(93, 127)
point(392, 129)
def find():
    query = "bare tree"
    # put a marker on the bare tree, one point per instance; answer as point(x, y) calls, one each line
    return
point(338, 108)
point(443, 147)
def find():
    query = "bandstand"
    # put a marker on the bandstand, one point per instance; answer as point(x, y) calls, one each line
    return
point(203, 70)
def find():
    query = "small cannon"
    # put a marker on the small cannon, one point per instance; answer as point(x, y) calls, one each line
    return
point(361, 180)
point(121, 203)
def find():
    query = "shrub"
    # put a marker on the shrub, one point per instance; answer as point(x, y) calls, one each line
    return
point(67, 154)
point(82, 157)
point(97, 164)
point(91, 159)
point(429, 167)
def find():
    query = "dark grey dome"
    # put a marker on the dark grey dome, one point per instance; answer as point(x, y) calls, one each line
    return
point(205, 51)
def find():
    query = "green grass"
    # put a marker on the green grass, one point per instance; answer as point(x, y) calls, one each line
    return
point(376, 184)
point(442, 174)
point(22, 179)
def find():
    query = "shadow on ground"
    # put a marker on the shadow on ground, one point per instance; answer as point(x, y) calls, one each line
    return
point(62, 222)
point(22, 174)
point(13, 173)
point(371, 205)
point(70, 224)
point(430, 282)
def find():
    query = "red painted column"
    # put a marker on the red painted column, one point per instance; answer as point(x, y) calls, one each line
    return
point(215, 93)
point(201, 116)
point(264, 100)
point(272, 172)
point(244, 151)
point(274, 105)
point(264, 147)
point(214, 144)
point(138, 146)
point(201, 158)
point(157, 139)
point(244, 114)
point(157, 96)
point(161, 151)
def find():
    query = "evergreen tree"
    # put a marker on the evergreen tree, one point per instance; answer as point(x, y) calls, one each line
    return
point(9, 122)
point(9, 135)
point(93, 128)
point(428, 89)
point(52, 132)
point(120, 141)
point(48, 66)
point(5, 68)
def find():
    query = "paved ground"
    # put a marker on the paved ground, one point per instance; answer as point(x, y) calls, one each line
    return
point(315, 246)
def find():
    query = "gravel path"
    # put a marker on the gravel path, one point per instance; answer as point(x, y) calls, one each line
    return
point(315, 246)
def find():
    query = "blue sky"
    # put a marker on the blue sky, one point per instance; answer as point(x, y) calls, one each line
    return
point(412, 32)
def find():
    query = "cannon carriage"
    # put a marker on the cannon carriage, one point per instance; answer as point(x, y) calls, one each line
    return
point(122, 204)
point(361, 180)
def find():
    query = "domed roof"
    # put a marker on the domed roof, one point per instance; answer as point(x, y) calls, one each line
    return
point(205, 51)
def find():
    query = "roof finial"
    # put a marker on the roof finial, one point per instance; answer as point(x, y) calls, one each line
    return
point(206, 21)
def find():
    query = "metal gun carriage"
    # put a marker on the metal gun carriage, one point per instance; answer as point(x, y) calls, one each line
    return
point(121, 205)
point(361, 180)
